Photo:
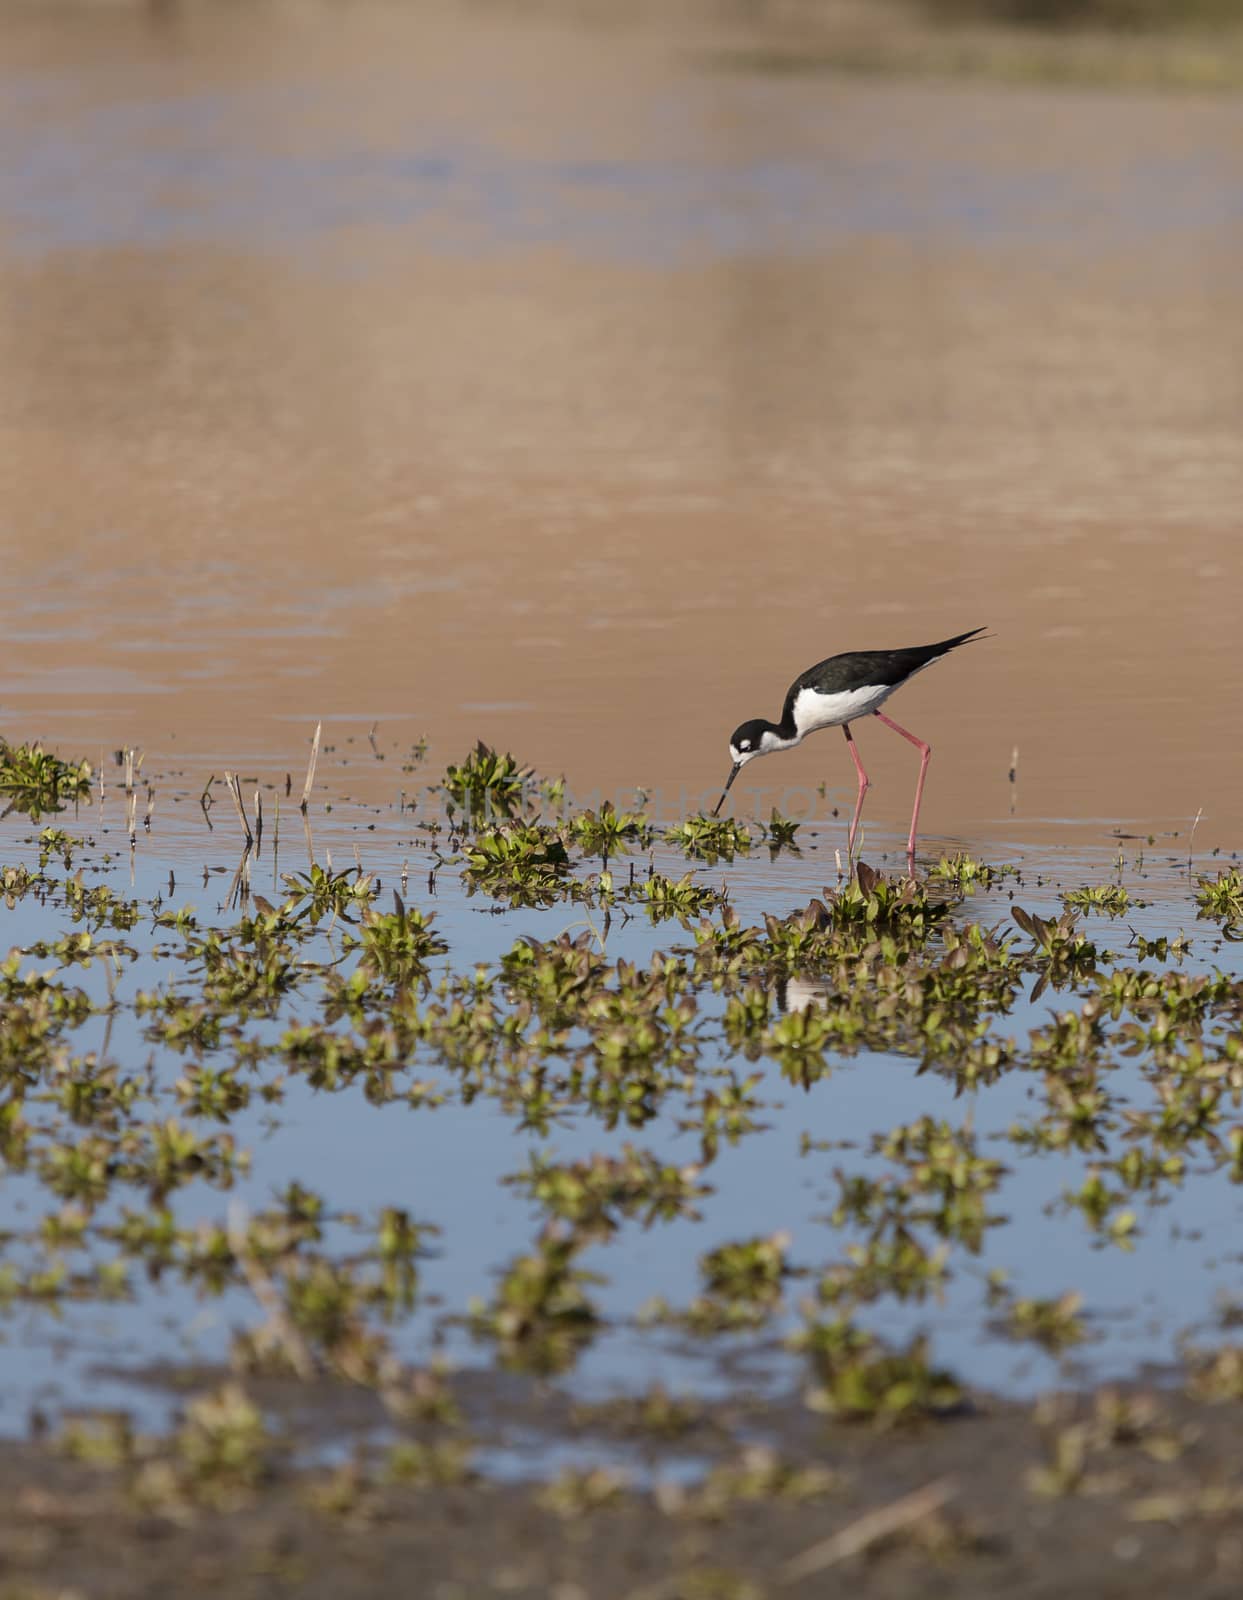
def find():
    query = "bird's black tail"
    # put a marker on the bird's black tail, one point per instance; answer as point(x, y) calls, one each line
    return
point(932, 651)
point(902, 664)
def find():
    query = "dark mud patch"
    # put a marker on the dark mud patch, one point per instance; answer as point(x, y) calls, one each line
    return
point(1117, 1492)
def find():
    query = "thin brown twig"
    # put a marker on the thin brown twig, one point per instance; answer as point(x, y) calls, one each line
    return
point(868, 1530)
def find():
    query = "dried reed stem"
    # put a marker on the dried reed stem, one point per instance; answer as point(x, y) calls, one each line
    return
point(310, 771)
point(239, 889)
point(235, 789)
point(868, 1530)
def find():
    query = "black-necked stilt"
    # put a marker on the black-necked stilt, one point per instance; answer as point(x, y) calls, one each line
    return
point(833, 694)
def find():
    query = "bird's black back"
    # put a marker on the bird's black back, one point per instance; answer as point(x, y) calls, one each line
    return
point(863, 669)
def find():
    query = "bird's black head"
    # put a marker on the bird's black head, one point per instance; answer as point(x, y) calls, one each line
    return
point(747, 741)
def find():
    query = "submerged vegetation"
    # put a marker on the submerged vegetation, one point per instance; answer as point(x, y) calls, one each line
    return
point(646, 1036)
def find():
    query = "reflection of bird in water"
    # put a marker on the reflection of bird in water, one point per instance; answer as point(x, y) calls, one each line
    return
point(797, 994)
point(833, 694)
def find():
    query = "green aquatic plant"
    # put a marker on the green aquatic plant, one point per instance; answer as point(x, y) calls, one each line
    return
point(758, 1474)
point(608, 832)
point(56, 842)
point(873, 903)
point(945, 1177)
point(1222, 897)
point(541, 1316)
point(33, 780)
point(681, 897)
point(1055, 1325)
point(1215, 1375)
point(1064, 953)
point(966, 873)
point(579, 1491)
point(750, 1270)
point(655, 1413)
point(487, 782)
point(858, 1379)
point(321, 892)
point(711, 839)
point(1111, 898)
point(17, 882)
point(895, 1265)
point(396, 946)
point(525, 862)
point(779, 832)
point(223, 1444)
point(595, 1194)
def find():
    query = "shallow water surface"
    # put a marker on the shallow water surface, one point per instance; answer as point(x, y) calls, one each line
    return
point(445, 1145)
point(451, 376)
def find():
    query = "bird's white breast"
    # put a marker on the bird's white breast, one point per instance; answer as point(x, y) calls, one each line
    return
point(814, 710)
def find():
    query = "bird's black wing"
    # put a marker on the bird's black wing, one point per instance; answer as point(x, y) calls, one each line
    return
point(862, 669)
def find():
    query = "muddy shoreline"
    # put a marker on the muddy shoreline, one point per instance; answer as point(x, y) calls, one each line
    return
point(1121, 1492)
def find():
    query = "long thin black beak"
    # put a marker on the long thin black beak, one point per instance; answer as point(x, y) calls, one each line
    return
point(716, 810)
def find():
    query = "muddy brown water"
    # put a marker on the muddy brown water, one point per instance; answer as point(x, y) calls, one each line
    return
point(493, 377)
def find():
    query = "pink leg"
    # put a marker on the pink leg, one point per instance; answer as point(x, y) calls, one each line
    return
point(925, 753)
point(864, 786)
